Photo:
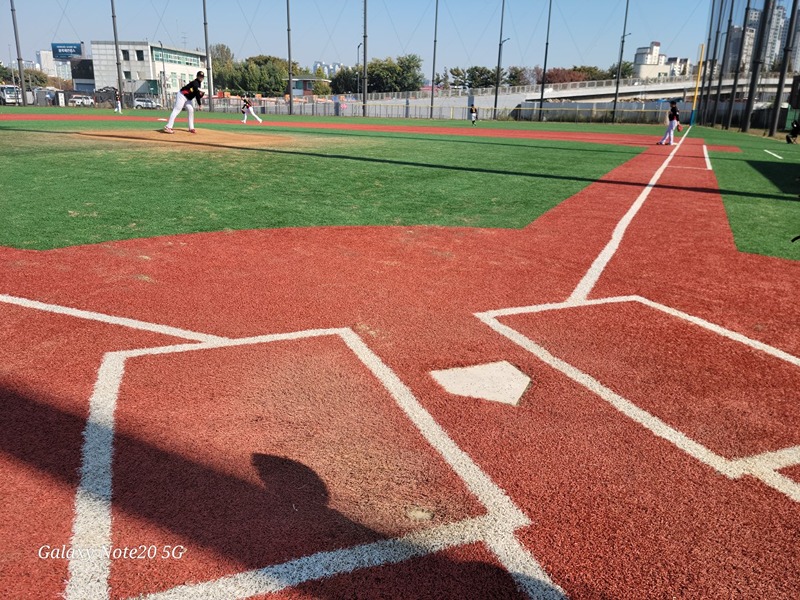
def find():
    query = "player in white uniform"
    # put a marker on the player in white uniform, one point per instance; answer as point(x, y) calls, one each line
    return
point(248, 108)
point(183, 99)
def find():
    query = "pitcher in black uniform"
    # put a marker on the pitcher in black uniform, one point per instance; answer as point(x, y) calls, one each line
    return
point(183, 98)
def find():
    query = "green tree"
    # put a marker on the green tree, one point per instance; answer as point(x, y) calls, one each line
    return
point(518, 76)
point(221, 55)
point(410, 77)
point(442, 79)
point(625, 73)
point(35, 77)
point(321, 88)
point(481, 77)
point(345, 81)
point(459, 77)
point(5, 74)
point(383, 75)
point(592, 73)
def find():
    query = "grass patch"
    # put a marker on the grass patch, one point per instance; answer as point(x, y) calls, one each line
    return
point(61, 190)
point(760, 191)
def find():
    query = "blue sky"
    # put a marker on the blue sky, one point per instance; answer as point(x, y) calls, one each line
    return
point(583, 32)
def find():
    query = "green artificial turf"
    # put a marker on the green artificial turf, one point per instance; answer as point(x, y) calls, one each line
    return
point(62, 189)
point(760, 190)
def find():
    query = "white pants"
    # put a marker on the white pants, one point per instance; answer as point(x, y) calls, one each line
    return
point(669, 134)
point(118, 107)
point(180, 103)
point(250, 110)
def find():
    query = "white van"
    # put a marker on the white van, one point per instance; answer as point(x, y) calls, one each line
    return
point(10, 94)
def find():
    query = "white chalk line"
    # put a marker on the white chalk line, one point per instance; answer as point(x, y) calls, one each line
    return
point(763, 467)
point(773, 154)
point(109, 319)
point(708, 159)
point(589, 280)
point(92, 527)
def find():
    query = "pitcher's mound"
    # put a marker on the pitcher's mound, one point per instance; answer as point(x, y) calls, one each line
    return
point(204, 139)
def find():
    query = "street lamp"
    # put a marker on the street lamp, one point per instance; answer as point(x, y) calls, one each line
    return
point(497, 82)
point(619, 62)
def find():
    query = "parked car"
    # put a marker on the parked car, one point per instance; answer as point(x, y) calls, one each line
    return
point(145, 103)
point(80, 100)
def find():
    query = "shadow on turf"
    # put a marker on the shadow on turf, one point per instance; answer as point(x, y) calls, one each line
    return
point(285, 518)
point(402, 163)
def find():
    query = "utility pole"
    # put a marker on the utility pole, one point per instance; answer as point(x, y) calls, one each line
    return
point(435, 31)
point(364, 76)
point(544, 70)
point(499, 57)
point(116, 50)
point(619, 62)
point(289, 37)
point(209, 69)
point(19, 57)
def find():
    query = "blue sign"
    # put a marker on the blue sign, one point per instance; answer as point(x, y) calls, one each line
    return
point(66, 51)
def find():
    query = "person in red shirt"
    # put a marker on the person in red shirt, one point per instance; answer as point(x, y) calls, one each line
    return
point(183, 99)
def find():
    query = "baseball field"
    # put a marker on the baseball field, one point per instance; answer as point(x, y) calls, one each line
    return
point(360, 358)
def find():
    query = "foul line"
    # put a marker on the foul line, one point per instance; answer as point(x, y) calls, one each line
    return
point(589, 280)
point(763, 467)
point(708, 160)
point(773, 154)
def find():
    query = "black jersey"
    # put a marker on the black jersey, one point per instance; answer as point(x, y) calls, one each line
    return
point(674, 114)
point(192, 90)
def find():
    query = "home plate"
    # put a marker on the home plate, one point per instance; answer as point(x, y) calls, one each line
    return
point(499, 382)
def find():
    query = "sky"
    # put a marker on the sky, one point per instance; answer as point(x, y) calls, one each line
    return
point(582, 32)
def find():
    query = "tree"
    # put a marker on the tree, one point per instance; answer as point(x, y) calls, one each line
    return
point(221, 56)
point(481, 77)
point(345, 81)
point(459, 77)
point(519, 76)
point(410, 77)
point(384, 75)
point(593, 73)
point(34, 78)
point(560, 75)
point(321, 88)
point(625, 73)
point(442, 80)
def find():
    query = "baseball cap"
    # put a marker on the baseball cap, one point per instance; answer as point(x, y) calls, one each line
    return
point(201, 74)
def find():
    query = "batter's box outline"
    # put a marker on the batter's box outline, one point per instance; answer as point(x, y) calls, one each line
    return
point(764, 467)
point(92, 527)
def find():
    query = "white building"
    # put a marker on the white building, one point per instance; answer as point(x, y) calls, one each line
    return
point(328, 70)
point(51, 67)
point(146, 68)
point(648, 62)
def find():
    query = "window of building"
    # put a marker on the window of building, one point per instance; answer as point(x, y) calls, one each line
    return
point(140, 55)
point(126, 55)
point(126, 74)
